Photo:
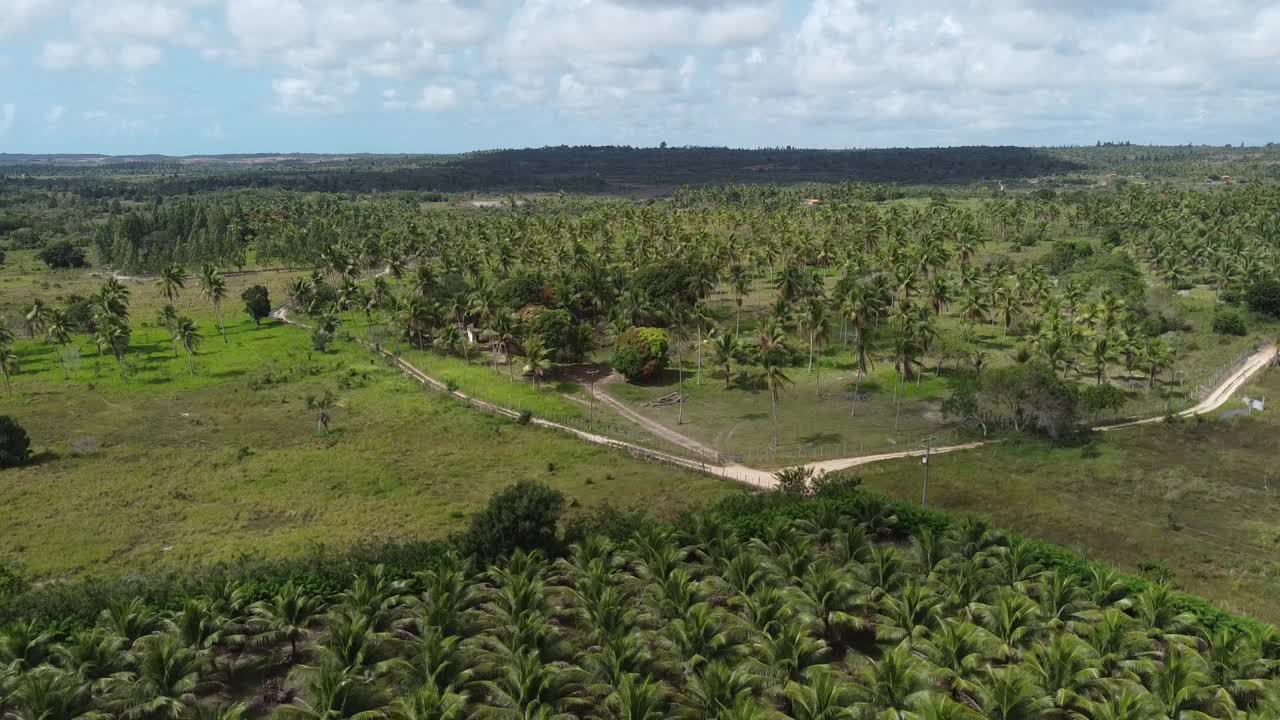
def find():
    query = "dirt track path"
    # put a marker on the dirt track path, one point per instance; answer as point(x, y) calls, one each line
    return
point(763, 478)
point(652, 426)
point(1220, 395)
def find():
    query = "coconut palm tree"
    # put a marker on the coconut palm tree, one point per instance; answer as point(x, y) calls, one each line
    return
point(537, 361)
point(163, 681)
point(8, 366)
point(1157, 356)
point(171, 282)
point(726, 347)
point(214, 287)
point(57, 330)
point(287, 616)
point(36, 318)
point(323, 405)
point(188, 335)
point(775, 378)
point(740, 279)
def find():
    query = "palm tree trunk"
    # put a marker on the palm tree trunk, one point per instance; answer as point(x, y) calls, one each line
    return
point(897, 403)
point(699, 378)
point(737, 326)
point(222, 328)
point(680, 373)
point(818, 375)
point(773, 393)
point(191, 360)
point(62, 360)
point(7, 387)
point(857, 388)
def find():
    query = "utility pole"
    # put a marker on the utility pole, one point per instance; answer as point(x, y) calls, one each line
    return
point(928, 450)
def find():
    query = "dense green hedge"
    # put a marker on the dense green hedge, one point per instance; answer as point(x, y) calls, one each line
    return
point(755, 514)
point(71, 605)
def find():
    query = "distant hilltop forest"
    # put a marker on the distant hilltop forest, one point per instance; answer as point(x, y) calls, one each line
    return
point(626, 170)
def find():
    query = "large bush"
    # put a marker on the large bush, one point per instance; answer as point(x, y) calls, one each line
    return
point(1229, 320)
point(15, 444)
point(523, 288)
point(1264, 297)
point(641, 353)
point(525, 515)
point(257, 302)
point(553, 327)
point(63, 254)
point(1025, 398)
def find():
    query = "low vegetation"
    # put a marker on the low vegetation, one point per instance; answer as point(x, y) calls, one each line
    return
point(832, 607)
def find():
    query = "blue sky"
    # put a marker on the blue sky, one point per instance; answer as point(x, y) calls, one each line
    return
point(219, 76)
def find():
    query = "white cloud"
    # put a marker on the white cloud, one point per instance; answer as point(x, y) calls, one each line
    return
point(267, 25)
point(8, 116)
point(436, 98)
point(391, 100)
point(19, 15)
point(875, 70)
point(214, 132)
point(134, 57)
point(156, 21)
point(60, 55)
point(302, 95)
point(54, 114)
point(64, 55)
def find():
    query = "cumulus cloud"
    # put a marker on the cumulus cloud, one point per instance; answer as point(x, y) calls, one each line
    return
point(19, 15)
point(436, 98)
point(302, 95)
point(8, 115)
point(54, 115)
point(59, 55)
point(884, 72)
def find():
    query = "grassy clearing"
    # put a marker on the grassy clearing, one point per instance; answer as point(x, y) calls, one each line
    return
point(811, 417)
point(1201, 498)
point(738, 421)
point(24, 278)
point(174, 468)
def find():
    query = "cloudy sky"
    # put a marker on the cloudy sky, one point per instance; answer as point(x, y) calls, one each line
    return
point(204, 76)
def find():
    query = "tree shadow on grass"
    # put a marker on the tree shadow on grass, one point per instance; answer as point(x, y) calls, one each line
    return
point(236, 372)
point(820, 438)
point(41, 458)
point(754, 416)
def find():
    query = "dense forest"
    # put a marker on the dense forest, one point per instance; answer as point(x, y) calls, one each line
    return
point(627, 170)
point(570, 169)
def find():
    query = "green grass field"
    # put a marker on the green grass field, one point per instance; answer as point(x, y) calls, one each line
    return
point(738, 421)
point(173, 468)
point(1201, 497)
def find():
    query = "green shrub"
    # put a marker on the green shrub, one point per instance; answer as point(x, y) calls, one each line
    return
point(320, 340)
point(641, 353)
point(525, 515)
point(553, 327)
point(1264, 297)
point(15, 444)
point(1229, 320)
point(257, 302)
point(63, 254)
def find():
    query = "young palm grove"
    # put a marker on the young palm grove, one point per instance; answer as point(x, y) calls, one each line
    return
point(833, 607)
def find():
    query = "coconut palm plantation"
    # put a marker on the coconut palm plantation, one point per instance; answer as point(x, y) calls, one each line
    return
point(625, 360)
point(834, 606)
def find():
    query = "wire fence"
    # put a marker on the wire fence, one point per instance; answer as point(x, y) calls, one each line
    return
point(1191, 391)
point(784, 456)
point(599, 424)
